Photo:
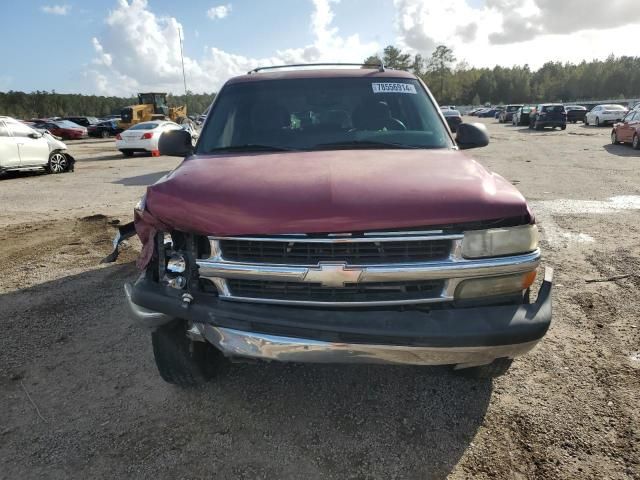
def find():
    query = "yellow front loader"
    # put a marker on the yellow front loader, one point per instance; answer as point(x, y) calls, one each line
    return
point(151, 106)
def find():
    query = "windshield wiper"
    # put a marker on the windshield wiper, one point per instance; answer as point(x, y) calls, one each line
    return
point(364, 144)
point(252, 147)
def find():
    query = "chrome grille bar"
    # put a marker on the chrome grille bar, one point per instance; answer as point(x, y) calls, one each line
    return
point(334, 274)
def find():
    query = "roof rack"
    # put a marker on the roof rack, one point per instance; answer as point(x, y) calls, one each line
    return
point(379, 66)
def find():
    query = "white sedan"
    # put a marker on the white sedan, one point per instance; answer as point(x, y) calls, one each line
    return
point(603, 114)
point(144, 137)
point(23, 148)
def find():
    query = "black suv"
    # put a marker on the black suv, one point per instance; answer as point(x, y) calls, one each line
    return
point(548, 115)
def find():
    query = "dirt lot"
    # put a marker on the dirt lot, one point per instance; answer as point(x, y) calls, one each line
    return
point(80, 396)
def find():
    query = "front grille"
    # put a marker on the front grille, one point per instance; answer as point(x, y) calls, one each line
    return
point(351, 292)
point(354, 253)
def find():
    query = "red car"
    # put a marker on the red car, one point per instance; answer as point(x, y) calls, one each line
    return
point(62, 128)
point(628, 131)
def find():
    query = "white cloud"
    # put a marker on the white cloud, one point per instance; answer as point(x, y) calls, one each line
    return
point(515, 32)
point(56, 9)
point(139, 50)
point(219, 12)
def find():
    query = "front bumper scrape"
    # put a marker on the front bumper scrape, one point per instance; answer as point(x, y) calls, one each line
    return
point(461, 336)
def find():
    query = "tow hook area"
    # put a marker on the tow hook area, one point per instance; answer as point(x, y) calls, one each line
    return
point(143, 316)
point(187, 298)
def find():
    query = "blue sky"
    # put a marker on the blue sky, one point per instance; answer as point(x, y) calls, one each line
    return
point(121, 46)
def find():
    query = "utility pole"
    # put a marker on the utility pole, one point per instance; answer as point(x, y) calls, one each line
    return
point(184, 76)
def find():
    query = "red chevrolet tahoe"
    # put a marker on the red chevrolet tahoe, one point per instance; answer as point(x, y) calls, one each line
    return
point(329, 215)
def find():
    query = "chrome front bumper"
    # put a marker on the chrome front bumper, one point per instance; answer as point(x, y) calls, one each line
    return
point(235, 343)
point(459, 336)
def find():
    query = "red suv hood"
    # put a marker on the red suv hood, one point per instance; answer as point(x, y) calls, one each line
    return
point(330, 191)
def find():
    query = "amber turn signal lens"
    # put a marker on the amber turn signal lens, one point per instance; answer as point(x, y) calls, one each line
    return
point(528, 279)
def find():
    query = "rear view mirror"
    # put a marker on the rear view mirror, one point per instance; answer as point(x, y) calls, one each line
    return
point(175, 143)
point(472, 135)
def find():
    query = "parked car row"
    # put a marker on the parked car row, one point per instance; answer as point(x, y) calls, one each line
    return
point(626, 124)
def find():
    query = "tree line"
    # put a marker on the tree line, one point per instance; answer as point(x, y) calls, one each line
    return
point(456, 83)
point(450, 81)
point(42, 104)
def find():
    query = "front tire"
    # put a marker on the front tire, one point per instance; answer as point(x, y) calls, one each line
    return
point(57, 163)
point(636, 142)
point(614, 138)
point(104, 134)
point(182, 361)
point(597, 121)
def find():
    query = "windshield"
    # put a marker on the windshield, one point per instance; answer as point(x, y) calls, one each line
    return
point(553, 108)
point(144, 126)
point(323, 113)
point(513, 108)
point(66, 124)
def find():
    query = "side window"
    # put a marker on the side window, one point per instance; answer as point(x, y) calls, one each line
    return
point(4, 132)
point(20, 130)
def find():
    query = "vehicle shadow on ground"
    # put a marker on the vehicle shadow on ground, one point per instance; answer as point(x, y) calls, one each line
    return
point(623, 150)
point(111, 156)
point(25, 174)
point(70, 343)
point(141, 180)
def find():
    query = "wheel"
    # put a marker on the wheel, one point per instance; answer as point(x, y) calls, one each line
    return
point(104, 134)
point(586, 121)
point(563, 127)
point(597, 121)
point(538, 126)
point(636, 142)
point(614, 137)
point(57, 163)
point(127, 153)
point(497, 368)
point(182, 361)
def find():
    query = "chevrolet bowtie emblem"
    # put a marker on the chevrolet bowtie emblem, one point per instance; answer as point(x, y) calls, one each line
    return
point(333, 274)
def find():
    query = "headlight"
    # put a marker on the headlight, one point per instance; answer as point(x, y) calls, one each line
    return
point(498, 242)
point(495, 286)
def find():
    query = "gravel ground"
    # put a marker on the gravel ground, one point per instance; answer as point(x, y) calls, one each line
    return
point(80, 396)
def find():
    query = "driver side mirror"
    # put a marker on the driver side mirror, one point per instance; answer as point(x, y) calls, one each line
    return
point(175, 143)
point(472, 135)
point(35, 135)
